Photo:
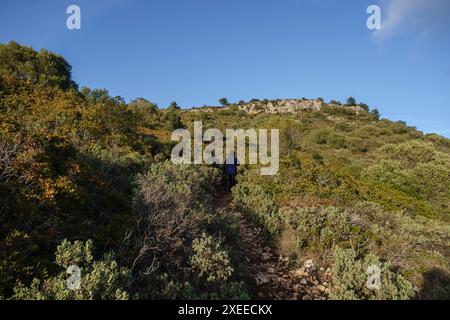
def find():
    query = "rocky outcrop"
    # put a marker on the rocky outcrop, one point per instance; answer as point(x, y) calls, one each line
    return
point(282, 106)
point(278, 106)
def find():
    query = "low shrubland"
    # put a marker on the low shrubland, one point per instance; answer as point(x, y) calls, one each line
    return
point(85, 180)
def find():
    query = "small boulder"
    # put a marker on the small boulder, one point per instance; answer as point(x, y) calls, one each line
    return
point(299, 273)
point(321, 288)
point(265, 257)
point(309, 264)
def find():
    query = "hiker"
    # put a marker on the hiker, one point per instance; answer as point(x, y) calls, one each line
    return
point(230, 169)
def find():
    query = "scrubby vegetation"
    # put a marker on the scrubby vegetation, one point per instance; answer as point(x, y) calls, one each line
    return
point(85, 179)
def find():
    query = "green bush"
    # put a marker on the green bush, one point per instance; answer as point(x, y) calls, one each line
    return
point(320, 228)
point(416, 168)
point(19, 256)
point(255, 199)
point(41, 67)
point(172, 205)
point(100, 279)
point(173, 248)
point(350, 277)
point(211, 262)
point(187, 291)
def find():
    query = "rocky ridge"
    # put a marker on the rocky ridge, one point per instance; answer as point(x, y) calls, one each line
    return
point(276, 106)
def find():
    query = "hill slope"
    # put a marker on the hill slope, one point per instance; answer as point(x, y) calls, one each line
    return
point(86, 180)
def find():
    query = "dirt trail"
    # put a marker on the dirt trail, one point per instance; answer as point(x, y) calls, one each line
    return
point(274, 276)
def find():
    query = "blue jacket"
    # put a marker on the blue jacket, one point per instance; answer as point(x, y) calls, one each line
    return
point(231, 168)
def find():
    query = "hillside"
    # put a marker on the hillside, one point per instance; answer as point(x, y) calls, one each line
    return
point(86, 180)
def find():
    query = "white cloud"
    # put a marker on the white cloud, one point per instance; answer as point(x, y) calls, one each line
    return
point(417, 16)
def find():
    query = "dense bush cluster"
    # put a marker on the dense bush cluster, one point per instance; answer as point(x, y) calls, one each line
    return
point(41, 67)
point(258, 201)
point(418, 169)
point(320, 228)
point(350, 276)
point(99, 279)
point(174, 212)
point(210, 260)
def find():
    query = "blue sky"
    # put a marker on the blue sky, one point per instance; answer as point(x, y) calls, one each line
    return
point(197, 51)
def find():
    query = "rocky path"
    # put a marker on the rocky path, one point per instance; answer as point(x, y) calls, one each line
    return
point(275, 276)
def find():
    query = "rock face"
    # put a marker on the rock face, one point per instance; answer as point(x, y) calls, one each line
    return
point(278, 106)
point(282, 106)
point(272, 106)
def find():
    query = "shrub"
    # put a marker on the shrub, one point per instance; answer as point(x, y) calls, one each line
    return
point(19, 255)
point(318, 157)
point(210, 260)
point(224, 101)
point(41, 67)
point(350, 277)
point(100, 279)
point(170, 204)
point(187, 291)
point(322, 137)
point(416, 168)
point(321, 228)
point(375, 114)
point(255, 199)
point(351, 101)
point(291, 137)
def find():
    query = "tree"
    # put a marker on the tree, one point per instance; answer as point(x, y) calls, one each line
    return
point(42, 67)
point(364, 106)
point(224, 101)
point(144, 105)
point(376, 114)
point(95, 95)
point(174, 106)
point(146, 112)
point(351, 101)
point(172, 118)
